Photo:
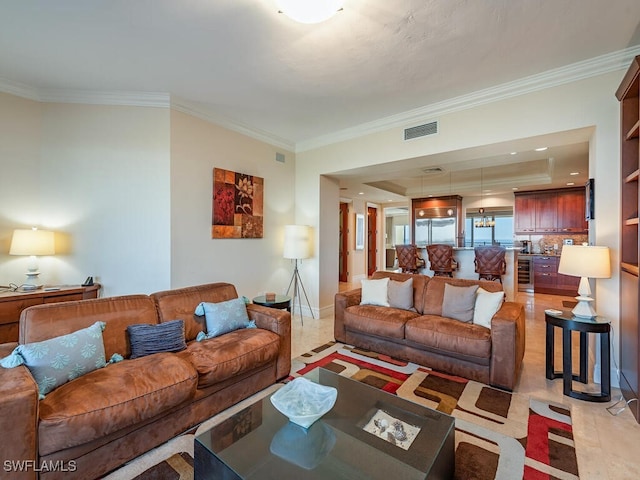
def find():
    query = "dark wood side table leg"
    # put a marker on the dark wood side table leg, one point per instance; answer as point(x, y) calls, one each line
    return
point(567, 367)
point(584, 350)
point(549, 352)
point(605, 367)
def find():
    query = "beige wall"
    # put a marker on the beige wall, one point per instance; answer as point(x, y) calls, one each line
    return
point(99, 176)
point(128, 189)
point(253, 265)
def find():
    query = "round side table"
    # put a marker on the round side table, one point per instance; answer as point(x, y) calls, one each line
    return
point(282, 302)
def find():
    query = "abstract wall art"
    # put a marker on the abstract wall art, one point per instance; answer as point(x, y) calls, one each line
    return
point(238, 206)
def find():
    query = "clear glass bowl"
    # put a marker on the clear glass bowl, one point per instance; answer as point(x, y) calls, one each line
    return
point(303, 401)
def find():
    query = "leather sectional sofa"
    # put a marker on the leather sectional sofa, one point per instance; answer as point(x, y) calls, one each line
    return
point(423, 336)
point(97, 422)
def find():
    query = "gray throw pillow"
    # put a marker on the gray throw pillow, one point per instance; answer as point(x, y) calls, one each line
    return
point(401, 294)
point(146, 339)
point(459, 302)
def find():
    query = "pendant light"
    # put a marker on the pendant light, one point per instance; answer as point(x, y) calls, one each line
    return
point(484, 222)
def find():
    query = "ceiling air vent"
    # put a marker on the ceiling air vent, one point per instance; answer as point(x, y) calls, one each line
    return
point(432, 170)
point(421, 130)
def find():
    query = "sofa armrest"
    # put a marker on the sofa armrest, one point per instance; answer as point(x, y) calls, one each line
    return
point(342, 301)
point(278, 322)
point(507, 344)
point(19, 419)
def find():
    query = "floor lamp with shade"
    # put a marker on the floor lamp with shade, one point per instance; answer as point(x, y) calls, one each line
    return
point(297, 246)
point(585, 261)
point(32, 242)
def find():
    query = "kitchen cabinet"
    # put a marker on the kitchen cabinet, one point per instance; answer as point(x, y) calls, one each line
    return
point(546, 278)
point(550, 211)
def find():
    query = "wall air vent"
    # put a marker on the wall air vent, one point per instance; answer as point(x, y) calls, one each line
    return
point(421, 130)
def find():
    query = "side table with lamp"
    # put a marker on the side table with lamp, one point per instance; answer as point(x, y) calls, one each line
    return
point(581, 261)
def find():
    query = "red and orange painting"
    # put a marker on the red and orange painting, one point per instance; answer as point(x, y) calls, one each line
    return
point(238, 207)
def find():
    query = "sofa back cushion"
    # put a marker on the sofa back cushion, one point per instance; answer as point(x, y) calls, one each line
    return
point(181, 303)
point(434, 292)
point(419, 283)
point(42, 322)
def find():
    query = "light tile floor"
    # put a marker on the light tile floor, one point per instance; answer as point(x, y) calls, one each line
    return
point(607, 445)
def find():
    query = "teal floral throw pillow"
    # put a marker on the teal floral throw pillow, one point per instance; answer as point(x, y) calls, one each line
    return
point(223, 317)
point(59, 360)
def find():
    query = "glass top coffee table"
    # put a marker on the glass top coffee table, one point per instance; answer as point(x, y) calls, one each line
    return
point(368, 434)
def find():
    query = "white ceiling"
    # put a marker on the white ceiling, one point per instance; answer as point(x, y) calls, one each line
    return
point(242, 62)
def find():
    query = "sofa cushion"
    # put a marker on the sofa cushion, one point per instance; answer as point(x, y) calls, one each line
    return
point(224, 317)
point(112, 398)
point(487, 304)
point(458, 302)
point(379, 321)
point(148, 339)
point(459, 340)
point(401, 294)
point(434, 292)
point(419, 284)
point(375, 292)
point(217, 359)
point(58, 360)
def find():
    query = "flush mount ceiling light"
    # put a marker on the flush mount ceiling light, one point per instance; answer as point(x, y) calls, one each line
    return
point(309, 11)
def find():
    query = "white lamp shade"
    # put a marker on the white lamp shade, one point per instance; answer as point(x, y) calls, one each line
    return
point(309, 11)
point(32, 242)
point(585, 261)
point(297, 241)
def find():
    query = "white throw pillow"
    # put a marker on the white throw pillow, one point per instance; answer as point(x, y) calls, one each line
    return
point(374, 292)
point(487, 304)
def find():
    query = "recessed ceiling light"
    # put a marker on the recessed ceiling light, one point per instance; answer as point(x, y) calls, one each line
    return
point(360, 193)
point(514, 153)
point(574, 173)
point(570, 183)
point(514, 188)
point(541, 149)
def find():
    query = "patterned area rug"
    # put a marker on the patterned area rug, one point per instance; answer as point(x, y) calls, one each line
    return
point(499, 435)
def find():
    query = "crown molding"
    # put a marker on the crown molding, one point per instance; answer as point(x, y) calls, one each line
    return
point(18, 89)
point(208, 114)
point(559, 76)
point(132, 99)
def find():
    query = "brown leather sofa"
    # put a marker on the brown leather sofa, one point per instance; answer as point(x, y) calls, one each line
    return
point(425, 337)
point(97, 422)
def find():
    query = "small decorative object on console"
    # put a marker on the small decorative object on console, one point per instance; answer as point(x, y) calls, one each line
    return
point(303, 401)
point(270, 297)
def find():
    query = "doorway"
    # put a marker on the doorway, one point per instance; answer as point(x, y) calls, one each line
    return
point(343, 251)
point(372, 240)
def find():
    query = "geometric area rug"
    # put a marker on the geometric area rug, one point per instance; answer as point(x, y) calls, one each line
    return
point(498, 435)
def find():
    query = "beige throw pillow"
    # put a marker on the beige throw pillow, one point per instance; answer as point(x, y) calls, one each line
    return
point(459, 302)
point(487, 304)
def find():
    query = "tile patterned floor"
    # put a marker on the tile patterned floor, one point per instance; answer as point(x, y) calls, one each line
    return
point(607, 445)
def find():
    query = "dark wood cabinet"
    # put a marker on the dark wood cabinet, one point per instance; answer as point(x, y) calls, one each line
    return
point(550, 211)
point(571, 211)
point(12, 304)
point(628, 94)
point(546, 278)
point(525, 213)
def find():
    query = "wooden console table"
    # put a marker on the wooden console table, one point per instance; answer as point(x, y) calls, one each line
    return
point(12, 304)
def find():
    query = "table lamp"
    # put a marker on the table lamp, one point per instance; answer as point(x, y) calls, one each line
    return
point(32, 242)
point(297, 246)
point(585, 261)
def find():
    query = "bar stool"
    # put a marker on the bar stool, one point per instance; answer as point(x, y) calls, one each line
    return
point(409, 260)
point(490, 262)
point(441, 259)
